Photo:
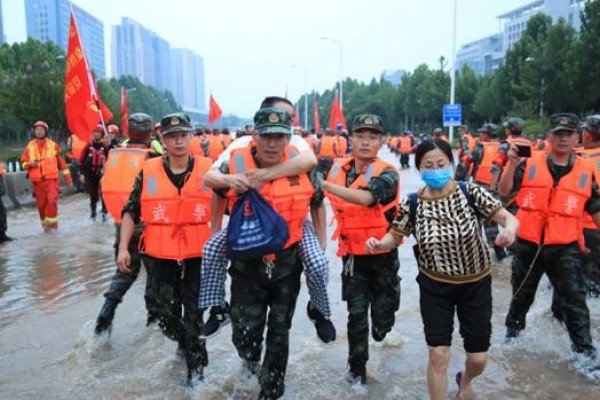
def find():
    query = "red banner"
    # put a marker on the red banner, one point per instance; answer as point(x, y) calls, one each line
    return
point(214, 111)
point(316, 122)
point(82, 104)
point(124, 112)
point(337, 116)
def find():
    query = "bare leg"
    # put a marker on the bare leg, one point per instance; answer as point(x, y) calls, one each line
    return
point(437, 372)
point(474, 366)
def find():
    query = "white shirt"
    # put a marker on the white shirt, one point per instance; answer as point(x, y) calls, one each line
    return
point(296, 141)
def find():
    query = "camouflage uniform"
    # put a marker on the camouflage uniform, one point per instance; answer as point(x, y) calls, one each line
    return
point(172, 285)
point(266, 296)
point(371, 280)
point(562, 264)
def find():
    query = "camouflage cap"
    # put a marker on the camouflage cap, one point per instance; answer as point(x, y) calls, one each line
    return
point(177, 122)
point(438, 131)
point(514, 123)
point(139, 124)
point(490, 129)
point(592, 123)
point(367, 121)
point(567, 122)
point(272, 121)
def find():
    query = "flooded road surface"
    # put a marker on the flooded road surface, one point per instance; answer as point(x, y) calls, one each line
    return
point(51, 291)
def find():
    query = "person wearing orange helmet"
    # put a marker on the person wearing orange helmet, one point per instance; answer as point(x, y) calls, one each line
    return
point(92, 162)
point(42, 160)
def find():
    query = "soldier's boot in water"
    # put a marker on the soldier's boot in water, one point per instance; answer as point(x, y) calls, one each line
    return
point(105, 318)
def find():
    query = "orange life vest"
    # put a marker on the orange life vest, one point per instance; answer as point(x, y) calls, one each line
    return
point(215, 146)
point(327, 148)
point(175, 221)
point(196, 146)
point(548, 214)
point(342, 146)
point(289, 196)
point(405, 145)
point(226, 140)
point(47, 167)
point(471, 142)
point(356, 223)
point(395, 142)
point(120, 171)
point(77, 147)
point(593, 157)
point(484, 171)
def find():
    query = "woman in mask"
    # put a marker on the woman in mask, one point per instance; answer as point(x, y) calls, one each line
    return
point(454, 264)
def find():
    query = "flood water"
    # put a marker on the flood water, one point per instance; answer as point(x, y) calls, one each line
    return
point(51, 291)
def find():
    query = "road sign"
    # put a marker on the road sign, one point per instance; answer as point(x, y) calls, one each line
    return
point(452, 114)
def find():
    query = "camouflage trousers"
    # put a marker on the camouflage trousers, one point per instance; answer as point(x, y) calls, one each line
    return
point(591, 261)
point(562, 265)
point(369, 281)
point(173, 290)
point(259, 299)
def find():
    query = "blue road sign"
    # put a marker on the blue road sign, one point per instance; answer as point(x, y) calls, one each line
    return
point(452, 114)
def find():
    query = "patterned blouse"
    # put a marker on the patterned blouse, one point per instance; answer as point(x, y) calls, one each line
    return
point(450, 247)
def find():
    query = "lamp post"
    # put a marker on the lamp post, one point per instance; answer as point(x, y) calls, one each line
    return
point(453, 66)
point(305, 70)
point(341, 64)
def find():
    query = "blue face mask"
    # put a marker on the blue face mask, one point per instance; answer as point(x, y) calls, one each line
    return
point(437, 178)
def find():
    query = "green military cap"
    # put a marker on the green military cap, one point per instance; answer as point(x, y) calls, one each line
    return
point(367, 121)
point(139, 123)
point(490, 129)
point(592, 123)
point(272, 121)
point(568, 122)
point(177, 122)
point(514, 123)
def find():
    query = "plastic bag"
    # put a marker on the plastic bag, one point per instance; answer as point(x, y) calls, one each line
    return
point(255, 228)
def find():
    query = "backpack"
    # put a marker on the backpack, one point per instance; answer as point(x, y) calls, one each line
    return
point(255, 229)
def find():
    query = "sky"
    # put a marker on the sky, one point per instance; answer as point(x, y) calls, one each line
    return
point(255, 48)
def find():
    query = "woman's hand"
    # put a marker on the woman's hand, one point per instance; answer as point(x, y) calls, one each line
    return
point(505, 238)
point(373, 244)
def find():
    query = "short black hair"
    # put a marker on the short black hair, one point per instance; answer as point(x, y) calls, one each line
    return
point(429, 145)
point(271, 100)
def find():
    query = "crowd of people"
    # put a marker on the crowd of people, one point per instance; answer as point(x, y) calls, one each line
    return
point(168, 186)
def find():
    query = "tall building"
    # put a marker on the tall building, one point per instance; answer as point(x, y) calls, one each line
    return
point(48, 20)
point(515, 21)
point(139, 52)
point(188, 80)
point(486, 54)
point(483, 56)
point(2, 37)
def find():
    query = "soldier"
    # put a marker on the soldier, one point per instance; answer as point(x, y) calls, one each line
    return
point(466, 144)
point(405, 147)
point(513, 128)
point(43, 162)
point(265, 285)
point(122, 166)
point(363, 191)
point(3, 219)
point(552, 192)
point(326, 150)
point(169, 195)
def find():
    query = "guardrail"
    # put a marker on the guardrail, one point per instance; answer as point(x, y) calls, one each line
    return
point(19, 193)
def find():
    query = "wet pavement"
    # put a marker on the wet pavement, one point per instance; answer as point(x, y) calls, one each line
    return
point(51, 291)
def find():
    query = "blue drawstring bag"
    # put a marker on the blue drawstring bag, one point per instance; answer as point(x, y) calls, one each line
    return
point(255, 228)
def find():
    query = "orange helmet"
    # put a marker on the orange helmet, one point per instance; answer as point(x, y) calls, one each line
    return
point(99, 128)
point(113, 129)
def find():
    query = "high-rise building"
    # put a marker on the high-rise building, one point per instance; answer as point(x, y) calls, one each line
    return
point(188, 80)
point(483, 56)
point(139, 52)
point(48, 20)
point(486, 54)
point(2, 37)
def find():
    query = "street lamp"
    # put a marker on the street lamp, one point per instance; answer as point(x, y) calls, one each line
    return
point(341, 63)
point(305, 70)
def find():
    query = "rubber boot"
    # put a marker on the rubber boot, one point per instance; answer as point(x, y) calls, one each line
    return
point(107, 313)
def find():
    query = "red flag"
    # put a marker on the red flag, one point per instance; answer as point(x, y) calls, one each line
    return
point(214, 111)
point(82, 104)
point(124, 112)
point(316, 122)
point(336, 116)
point(296, 120)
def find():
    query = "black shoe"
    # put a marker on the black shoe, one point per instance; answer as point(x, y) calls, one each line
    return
point(219, 317)
point(107, 313)
point(4, 238)
point(357, 373)
point(511, 334)
point(324, 326)
point(93, 215)
point(378, 335)
point(103, 217)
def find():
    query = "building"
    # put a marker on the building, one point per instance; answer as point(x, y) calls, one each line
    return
point(515, 21)
point(188, 80)
point(393, 77)
point(483, 56)
point(48, 20)
point(2, 37)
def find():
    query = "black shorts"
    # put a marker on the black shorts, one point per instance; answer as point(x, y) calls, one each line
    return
point(473, 304)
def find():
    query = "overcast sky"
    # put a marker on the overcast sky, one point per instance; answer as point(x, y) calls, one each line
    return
point(249, 46)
